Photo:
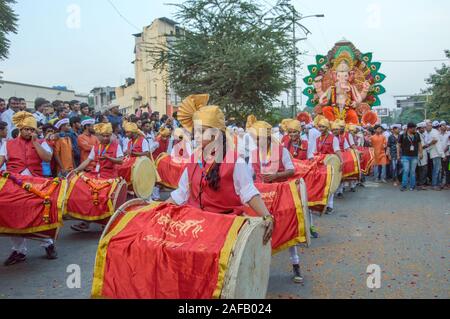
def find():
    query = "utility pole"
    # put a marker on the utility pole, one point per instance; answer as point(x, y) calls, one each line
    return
point(294, 68)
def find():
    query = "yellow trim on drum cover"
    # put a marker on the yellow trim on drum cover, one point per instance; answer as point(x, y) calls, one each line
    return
point(225, 253)
point(100, 260)
point(69, 192)
point(355, 164)
point(301, 238)
point(166, 185)
point(327, 189)
point(159, 159)
point(3, 182)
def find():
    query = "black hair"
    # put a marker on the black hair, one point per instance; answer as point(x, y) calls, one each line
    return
point(47, 127)
point(213, 177)
point(57, 103)
point(3, 125)
point(15, 133)
point(83, 105)
point(74, 120)
point(175, 115)
point(39, 102)
point(2, 100)
point(412, 125)
point(164, 118)
point(60, 110)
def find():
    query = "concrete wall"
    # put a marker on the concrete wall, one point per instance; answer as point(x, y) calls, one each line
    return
point(31, 92)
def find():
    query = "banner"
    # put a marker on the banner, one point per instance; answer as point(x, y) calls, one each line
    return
point(167, 252)
point(30, 205)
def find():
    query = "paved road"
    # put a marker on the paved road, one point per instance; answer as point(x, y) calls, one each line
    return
point(406, 234)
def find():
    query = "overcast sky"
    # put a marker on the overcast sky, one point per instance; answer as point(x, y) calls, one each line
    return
point(85, 43)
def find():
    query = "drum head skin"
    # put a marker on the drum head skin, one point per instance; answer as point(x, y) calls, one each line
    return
point(335, 163)
point(249, 266)
point(143, 177)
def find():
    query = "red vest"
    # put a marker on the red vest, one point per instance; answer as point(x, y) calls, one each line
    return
point(276, 163)
point(108, 169)
point(325, 145)
point(163, 147)
point(224, 200)
point(342, 139)
point(22, 155)
point(297, 152)
point(136, 146)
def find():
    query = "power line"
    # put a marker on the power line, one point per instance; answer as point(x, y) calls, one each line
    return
point(122, 16)
point(414, 61)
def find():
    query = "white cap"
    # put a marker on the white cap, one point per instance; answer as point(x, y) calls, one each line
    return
point(399, 126)
point(422, 125)
point(276, 130)
point(435, 123)
point(241, 130)
point(443, 123)
point(404, 127)
point(88, 122)
point(61, 123)
point(384, 126)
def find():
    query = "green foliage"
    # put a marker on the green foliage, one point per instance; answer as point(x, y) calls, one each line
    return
point(414, 115)
point(439, 104)
point(8, 24)
point(231, 50)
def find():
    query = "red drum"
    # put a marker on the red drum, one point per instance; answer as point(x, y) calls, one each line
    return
point(318, 178)
point(288, 203)
point(171, 252)
point(140, 175)
point(367, 157)
point(94, 200)
point(31, 206)
point(351, 167)
point(169, 171)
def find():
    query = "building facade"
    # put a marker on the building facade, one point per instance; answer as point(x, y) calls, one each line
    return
point(30, 92)
point(150, 87)
point(102, 97)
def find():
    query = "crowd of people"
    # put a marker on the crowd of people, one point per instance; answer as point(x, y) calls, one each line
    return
point(63, 137)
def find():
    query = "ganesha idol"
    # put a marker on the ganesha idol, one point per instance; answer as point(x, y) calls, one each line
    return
point(345, 85)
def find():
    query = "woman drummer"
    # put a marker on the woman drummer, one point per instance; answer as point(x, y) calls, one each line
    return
point(216, 182)
point(297, 147)
point(271, 162)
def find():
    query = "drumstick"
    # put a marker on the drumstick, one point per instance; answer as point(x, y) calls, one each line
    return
point(158, 178)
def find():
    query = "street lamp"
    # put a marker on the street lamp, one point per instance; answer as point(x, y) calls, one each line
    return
point(294, 39)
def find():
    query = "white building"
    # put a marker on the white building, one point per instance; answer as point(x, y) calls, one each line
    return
point(30, 92)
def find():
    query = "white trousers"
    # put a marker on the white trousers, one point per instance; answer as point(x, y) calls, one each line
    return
point(20, 244)
point(331, 201)
point(295, 258)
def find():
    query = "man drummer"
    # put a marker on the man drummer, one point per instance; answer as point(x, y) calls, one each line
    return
point(24, 155)
point(346, 142)
point(137, 144)
point(328, 144)
point(105, 157)
point(296, 144)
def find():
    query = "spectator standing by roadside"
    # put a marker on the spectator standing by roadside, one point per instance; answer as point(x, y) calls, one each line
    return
point(410, 146)
point(379, 143)
point(423, 162)
point(2, 106)
point(13, 108)
point(444, 146)
point(39, 105)
point(435, 153)
point(392, 152)
point(115, 117)
point(74, 132)
point(63, 149)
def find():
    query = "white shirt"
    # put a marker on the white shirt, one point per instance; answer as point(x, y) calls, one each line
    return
point(151, 140)
point(40, 117)
point(313, 135)
point(444, 142)
point(2, 141)
point(26, 172)
point(145, 145)
point(242, 180)
point(7, 117)
point(246, 145)
point(119, 153)
point(434, 150)
point(387, 134)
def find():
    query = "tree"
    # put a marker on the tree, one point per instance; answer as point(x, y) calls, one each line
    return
point(412, 114)
point(8, 24)
point(232, 49)
point(439, 104)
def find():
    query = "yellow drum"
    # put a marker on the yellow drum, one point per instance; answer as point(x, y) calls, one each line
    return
point(335, 163)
